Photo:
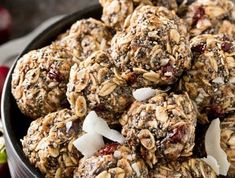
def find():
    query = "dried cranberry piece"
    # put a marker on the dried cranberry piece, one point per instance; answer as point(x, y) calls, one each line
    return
point(131, 78)
point(65, 103)
point(168, 68)
point(108, 149)
point(226, 46)
point(55, 75)
point(178, 134)
point(200, 12)
point(199, 48)
point(216, 111)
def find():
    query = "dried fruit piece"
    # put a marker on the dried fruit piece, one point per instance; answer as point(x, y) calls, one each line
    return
point(108, 149)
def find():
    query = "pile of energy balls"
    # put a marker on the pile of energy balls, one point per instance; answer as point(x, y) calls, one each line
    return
point(157, 72)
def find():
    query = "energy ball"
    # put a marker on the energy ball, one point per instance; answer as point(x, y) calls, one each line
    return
point(169, 4)
point(49, 144)
point(211, 16)
point(211, 80)
point(39, 80)
point(154, 49)
point(86, 36)
point(192, 168)
point(112, 161)
point(95, 84)
point(227, 141)
point(162, 127)
point(115, 12)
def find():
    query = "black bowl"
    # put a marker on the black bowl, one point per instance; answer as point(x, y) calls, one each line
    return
point(14, 122)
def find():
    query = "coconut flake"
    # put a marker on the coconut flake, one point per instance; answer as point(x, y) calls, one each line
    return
point(89, 143)
point(93, 123)
point(68, 126)
point(211, 161)
point(212, 145)
point(114, 136)
point(143, 93)
point(219, 80)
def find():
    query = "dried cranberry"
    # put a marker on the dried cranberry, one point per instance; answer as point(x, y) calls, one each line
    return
point(178, 134)
point(200, 12)
point(168, 68)
point(108, 149)
point(65, 103)
point(226, 46)
point(199, 48)
point(216, 111)
point(55, 75)
point(131, 78)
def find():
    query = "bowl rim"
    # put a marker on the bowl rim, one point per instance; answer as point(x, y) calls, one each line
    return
point(11, 143)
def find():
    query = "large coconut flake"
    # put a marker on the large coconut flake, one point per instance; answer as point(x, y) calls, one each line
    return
point(143, 93)
point(93, 123)
point(212, 145)
point(211, 161)
point(89, 143)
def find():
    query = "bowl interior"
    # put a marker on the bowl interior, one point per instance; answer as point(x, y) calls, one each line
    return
point(15, 123)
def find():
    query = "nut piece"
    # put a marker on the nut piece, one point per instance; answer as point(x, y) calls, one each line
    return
point(161, 128)
point(227, 141)
point(212, 17)
point(95, 84)
point(210, 80)
point(193, 167)
point(39, 80)
point(49, 144)
point(86, 36)
point(112, 161)
point(155, 44)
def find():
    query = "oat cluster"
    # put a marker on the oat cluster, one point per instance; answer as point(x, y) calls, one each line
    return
point(179, 54)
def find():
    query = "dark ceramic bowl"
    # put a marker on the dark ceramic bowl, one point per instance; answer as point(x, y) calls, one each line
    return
point(14, 122)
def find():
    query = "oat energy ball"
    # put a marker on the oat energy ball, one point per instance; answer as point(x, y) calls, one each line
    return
point(39, 80)
point(227, 141)
point(193, 168)
point(169, 4)
point(161, 128)
point(95, 84)
point(86, 36)
point(112, 161)
point(115, 12)
point(211, 81)
point(154, 49)
point(49, 144)
point(211, 16)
